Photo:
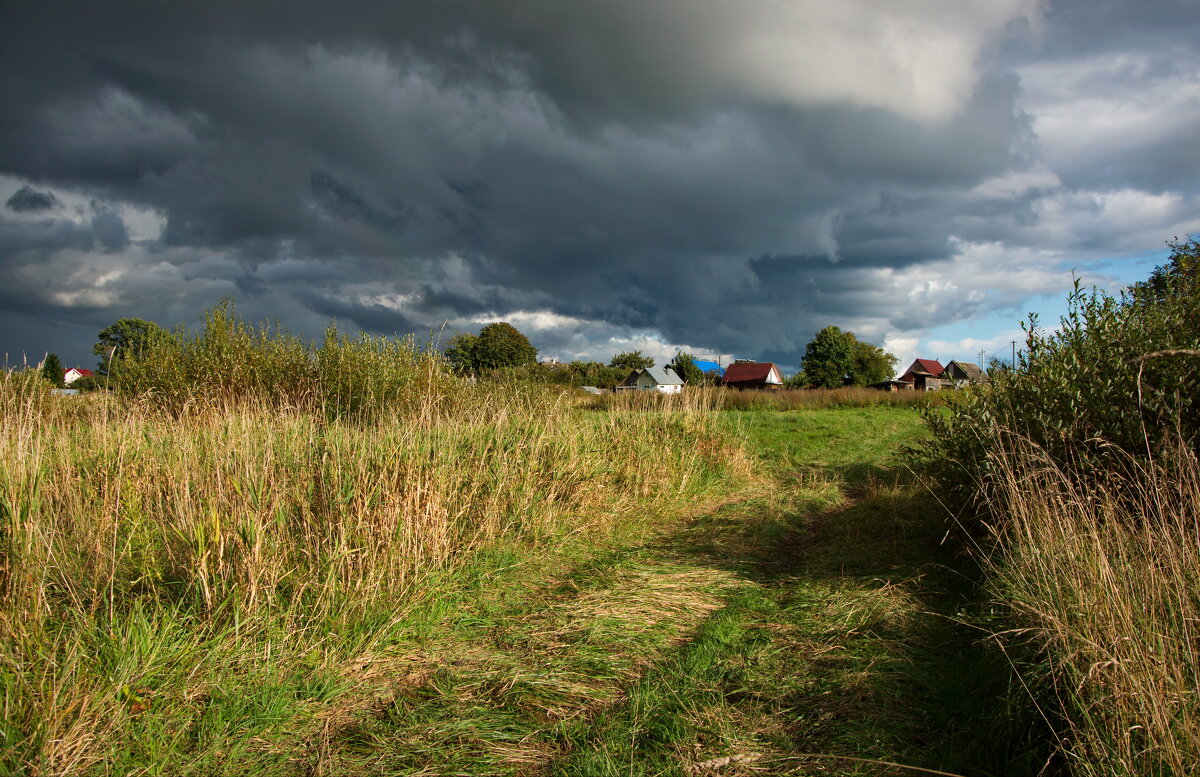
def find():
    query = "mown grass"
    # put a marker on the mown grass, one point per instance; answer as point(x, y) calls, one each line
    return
point(840, 652)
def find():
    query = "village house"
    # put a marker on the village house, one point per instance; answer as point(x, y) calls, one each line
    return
point(925, 375)
point(660, 379)
point(963, 373)
point(75, 373)
point(753, 375)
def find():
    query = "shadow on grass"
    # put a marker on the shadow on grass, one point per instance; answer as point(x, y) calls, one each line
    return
point(849, 640)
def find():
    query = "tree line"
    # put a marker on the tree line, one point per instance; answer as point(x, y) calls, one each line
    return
point(832, 358)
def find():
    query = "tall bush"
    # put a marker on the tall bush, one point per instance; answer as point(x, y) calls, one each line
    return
point(231, 360)
point(1115, 376)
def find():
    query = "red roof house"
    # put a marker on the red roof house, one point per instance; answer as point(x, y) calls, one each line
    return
point(924, 374)
point(922, 367)
point(752, 375)
point(75, 373)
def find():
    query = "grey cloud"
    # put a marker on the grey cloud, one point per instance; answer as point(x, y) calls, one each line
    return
point(614, 162)
point(30, 200)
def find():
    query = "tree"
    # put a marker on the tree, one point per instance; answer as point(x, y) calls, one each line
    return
point(827, 358)
point(684, 365)
point(131, 337)
point(460, 352)
point(870, 364)
point(52, 370)
point(631, 360)
point(833, 358)
point(1178, 276)
point(497, 345)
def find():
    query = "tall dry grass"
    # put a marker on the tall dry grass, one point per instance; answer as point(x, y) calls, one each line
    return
point(720, 398)
point(159, 563)
point(1102, 575)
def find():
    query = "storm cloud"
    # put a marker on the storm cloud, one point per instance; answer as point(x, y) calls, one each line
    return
point(723, 177)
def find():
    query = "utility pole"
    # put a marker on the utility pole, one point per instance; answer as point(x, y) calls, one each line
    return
point(1014, 358)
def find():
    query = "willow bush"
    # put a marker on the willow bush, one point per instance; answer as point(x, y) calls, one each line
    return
point(1114, 379)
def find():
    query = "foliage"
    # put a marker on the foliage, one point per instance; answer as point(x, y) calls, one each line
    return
point(833, 358)
point(1085, 392)
point(631, 360)
point(497, 346)
point(231, 361)
point(131, 337)
point(52, 370)
point(684, 365)
point(870, 364)
point(460, 352)
point(1084, 459)
point(1181, 272)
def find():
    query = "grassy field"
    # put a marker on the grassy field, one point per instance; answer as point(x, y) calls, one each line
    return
point(520, 587)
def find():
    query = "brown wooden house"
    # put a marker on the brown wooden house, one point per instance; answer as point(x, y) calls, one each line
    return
point(763, 376)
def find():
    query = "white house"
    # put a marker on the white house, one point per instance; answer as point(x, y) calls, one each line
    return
point(661, 379)
point(74, 374)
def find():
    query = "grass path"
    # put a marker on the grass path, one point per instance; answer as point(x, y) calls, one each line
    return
point(808, 619)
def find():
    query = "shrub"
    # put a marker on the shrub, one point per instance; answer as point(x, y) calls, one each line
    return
point(1099, 385)
point(231, 361)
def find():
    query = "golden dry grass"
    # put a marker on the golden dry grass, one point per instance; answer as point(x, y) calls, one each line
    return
point(146, 558)
point(1103, 573)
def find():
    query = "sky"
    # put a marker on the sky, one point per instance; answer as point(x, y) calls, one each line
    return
point(723, 178)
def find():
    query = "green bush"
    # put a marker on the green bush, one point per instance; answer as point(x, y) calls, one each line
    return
point(230, 360)
point(1097, 387)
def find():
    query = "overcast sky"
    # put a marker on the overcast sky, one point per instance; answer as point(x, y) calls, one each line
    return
point(726, 177)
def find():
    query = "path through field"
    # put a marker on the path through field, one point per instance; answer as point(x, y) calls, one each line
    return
point(804, 628)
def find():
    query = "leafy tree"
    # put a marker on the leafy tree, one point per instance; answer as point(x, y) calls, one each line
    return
point(460, 352)
point(631, 360)
point(684, 365)
point(827, 357)
point(132, 337)
point(497, 345)
point(1180, 274)
point(501, 345)
point(52, 370)
point(833, 358)
point(870, 364)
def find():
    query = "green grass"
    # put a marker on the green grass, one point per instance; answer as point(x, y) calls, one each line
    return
point(783, 622)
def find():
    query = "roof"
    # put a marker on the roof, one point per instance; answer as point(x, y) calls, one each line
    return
point(84, 372)
point(972, 371)
point(664, 376)
point(923, 367)
point(706, 366)
point(751, 372)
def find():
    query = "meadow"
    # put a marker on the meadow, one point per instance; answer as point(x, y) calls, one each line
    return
point(256, 555)
point(507, 583)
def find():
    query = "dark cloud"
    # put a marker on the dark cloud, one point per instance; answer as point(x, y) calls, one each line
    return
point(30, 200)
point(729, 177)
